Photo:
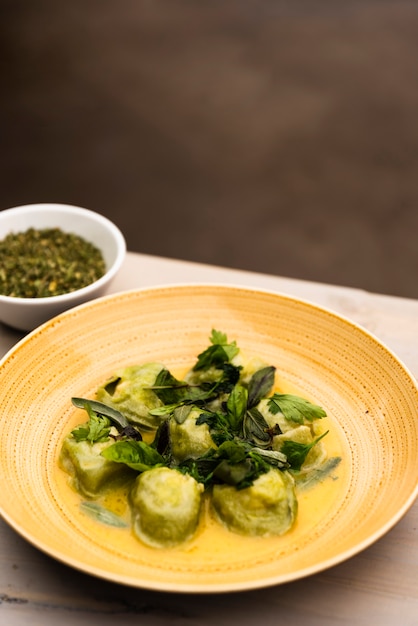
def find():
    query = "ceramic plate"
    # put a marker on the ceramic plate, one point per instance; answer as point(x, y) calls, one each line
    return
point(370, 397)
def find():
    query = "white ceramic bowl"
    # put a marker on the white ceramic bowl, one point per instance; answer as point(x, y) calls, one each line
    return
point(28, 313)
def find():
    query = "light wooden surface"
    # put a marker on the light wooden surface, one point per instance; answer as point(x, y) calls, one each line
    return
point(378, 586)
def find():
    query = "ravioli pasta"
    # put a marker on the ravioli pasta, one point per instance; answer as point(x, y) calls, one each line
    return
point(222, 436)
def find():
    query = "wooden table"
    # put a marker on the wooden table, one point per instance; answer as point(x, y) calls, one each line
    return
point(379, 586)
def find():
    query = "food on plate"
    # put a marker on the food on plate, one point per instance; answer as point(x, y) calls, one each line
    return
point(267, 507)
point(130, 391)
point(221, 441)
point(189, 439)
point(165, 506)
point(88, 467)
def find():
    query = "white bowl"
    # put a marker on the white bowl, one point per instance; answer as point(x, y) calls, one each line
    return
point(28, 313)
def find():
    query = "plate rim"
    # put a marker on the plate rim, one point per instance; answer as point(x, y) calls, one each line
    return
point(224, 587)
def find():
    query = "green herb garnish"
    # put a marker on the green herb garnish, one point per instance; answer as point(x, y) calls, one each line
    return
point(96, 430)
point(221, 351)
point(297, 452)
point(101, 417)
point(294, 408)
point(221, 427)
point(135, 454)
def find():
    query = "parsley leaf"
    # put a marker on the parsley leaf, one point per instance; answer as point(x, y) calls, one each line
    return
point(294, 408)
point(218, 353)
point(96, 430)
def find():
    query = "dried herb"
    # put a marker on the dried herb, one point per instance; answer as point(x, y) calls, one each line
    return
point(47, 262)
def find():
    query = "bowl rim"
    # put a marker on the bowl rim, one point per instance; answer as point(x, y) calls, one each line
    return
point(121, 248)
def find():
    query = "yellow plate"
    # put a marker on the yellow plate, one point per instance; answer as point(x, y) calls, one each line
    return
point(370, 397)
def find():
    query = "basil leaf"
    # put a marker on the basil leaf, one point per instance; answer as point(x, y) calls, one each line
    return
point(200, 469)
point(162, 440)
point(296, 452)
point(234, 451)
point(234, 464)
point(181, 413)
point(213, 356)
point(136, 454)
point(260, 385)
point(174, 393)
point(168, 389)
point(230, 378)
point(240, 464)
point(164, 411)
point(294, 408)
point(236, 406)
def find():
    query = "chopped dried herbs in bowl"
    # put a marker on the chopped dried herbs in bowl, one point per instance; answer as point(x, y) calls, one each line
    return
point(47, 262)
point(54, 257)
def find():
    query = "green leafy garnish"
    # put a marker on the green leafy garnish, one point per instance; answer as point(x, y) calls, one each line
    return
point(96, 430)
point(219, 426)
point(170, 390)
point(236, 406)
point(260, 385)
point(101, 409)
point(220, 352)
point(297, 452)
point(241, 444)
point(294, 408)
point(235, 463)
point(182, 412)
point(135, 454)
point(177, 394)
point(100, 413)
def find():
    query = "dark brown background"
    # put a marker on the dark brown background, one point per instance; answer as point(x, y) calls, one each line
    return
point(273, 136)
